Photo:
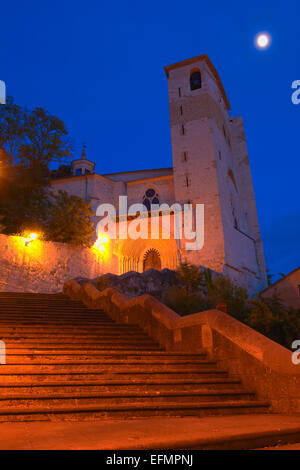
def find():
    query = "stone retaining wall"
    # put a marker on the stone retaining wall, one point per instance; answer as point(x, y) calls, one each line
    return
point(44, 266)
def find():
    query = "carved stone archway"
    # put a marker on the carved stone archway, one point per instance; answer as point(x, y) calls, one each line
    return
point(152, 260)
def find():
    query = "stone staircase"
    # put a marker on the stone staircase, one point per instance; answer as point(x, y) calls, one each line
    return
point(67, 362)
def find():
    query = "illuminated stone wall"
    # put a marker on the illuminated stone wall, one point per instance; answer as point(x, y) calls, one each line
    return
point(45, 266)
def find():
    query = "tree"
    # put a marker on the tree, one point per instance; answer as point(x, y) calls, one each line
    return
point(2, 226)
point(270, 277)
point(63, 171)
point(69, 220)
point(12, 130)
point(32, 137)
point(45, 139)
point(29, 142)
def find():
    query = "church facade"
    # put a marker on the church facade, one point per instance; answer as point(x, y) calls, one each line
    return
point(210, 167)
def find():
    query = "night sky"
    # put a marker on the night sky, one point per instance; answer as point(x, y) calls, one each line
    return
point(99, 67)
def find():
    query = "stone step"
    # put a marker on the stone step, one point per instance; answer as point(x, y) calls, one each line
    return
point(87, 376)
point(78, 345)
point(132, 410)
point(58, 323)
point(58, 303)
point(55, 321)
point(35, 309)
point(34, 296)
point(52, 307)
point(43, 306)
point(40, 313)
point(69, 329)
point(117, 367)
point(125, 397)
point(95, 358)
point(61, 337)
point(88, 335)
point(49, 316)
point(105, 353)
point(116, 386)
point(68, 362)
point(82, 340)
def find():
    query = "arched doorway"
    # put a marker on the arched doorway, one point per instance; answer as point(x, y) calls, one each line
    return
point(152, 260)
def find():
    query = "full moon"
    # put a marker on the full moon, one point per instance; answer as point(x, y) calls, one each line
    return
point(262, 40)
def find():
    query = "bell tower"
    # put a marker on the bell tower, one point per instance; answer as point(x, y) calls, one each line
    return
point(208, 169)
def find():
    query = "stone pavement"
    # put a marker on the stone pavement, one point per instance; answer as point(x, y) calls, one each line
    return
point(217, 432)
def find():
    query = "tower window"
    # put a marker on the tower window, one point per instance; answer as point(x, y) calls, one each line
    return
point(185, 157)
point(181, 110)
point(232, 178)
point(195, 79)
point(78, 171)
point(182, 129)
point(234, 215)
point(179, 92)
point(187, 182)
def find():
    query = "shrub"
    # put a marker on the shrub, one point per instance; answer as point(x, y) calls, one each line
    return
point(185, 302)
point(199, 291)
point(235, 297)
point(274, 320)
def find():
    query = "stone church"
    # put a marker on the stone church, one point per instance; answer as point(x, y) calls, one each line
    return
point(210, 167)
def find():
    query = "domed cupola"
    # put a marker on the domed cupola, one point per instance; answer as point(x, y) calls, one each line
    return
point(82, 166)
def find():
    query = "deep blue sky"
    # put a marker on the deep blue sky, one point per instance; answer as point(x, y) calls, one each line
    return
point(99, 67)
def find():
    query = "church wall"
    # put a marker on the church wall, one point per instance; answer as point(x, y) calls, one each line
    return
point(92, 186)
point(140, 174)
point(73, 186)
point(97, 190)
point(163, 186)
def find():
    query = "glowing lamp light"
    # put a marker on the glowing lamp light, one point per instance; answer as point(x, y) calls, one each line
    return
point(100, 243)
point(31, 238)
